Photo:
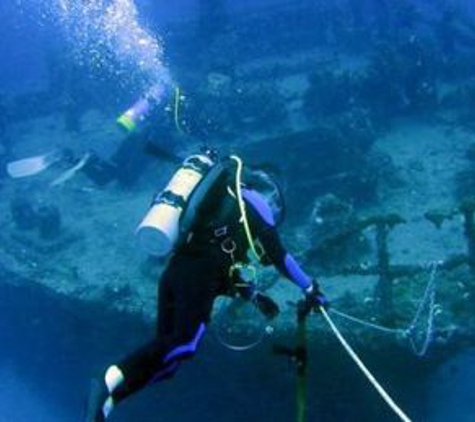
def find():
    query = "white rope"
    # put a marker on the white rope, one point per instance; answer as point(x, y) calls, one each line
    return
point(382, 392)
point(368, 324)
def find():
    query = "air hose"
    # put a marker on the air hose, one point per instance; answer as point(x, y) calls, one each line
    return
point(240, 266)
point(242, 207)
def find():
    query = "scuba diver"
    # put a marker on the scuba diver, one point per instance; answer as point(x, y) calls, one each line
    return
point(140, 139)
point(211, 216)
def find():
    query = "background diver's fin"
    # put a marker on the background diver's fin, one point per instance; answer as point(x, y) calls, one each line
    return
point(71, 172)
point(32, 165)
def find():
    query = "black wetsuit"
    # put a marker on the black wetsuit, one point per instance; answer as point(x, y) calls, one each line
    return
point(198, 272)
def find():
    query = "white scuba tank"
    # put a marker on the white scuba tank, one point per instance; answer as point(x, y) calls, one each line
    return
point(160, 229)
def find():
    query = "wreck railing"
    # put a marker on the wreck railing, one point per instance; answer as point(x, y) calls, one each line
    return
point(387, 272)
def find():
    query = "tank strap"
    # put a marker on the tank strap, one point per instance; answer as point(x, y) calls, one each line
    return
point(198, 164)
point(170, 198)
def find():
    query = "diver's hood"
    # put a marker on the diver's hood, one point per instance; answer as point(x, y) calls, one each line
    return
point(270, 190)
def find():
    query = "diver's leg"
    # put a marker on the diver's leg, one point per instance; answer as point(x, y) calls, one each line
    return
point(131, 159)
point(186, 299)
point(184, 309)
point(194, 301)
point(130, 375)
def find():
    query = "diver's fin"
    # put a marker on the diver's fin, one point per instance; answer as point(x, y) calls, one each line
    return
point(71, 172)
point(98, 395)
point(31, 165)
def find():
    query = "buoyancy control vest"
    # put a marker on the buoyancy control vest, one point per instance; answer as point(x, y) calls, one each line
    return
point(202, 203)
point(218, 224)
point(223, 219)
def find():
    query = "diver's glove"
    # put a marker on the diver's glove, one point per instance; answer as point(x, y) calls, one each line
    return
point(315, 298)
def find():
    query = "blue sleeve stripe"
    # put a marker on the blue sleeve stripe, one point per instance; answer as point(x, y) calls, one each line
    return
point(296, 273)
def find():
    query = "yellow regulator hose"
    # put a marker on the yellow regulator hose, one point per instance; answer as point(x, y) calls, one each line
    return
point(242, 206)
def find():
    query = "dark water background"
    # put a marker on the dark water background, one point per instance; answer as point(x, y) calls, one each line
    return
point(45, 365)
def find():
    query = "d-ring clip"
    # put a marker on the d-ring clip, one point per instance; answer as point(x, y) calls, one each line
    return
point(228, 246)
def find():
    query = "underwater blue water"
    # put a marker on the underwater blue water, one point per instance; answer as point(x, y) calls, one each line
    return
point(451, 389)
point(48, 356)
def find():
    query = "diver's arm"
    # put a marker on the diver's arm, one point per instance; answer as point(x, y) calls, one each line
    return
point(263, 227)
point(283, 260)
